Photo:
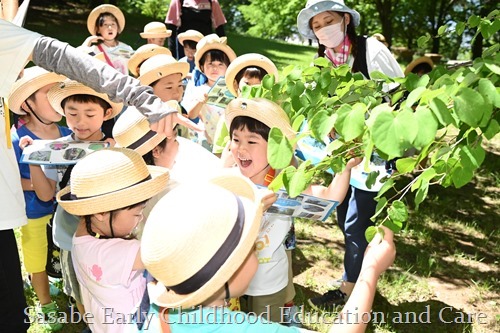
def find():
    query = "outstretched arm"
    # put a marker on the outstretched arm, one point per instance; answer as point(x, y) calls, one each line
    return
point(379, 255)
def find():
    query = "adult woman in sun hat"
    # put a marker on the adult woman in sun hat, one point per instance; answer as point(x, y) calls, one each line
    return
point(194, 282)
point(29, 97)
point(105, 23)
point(155, 33)
point(109, 189)
point(420, 66)
point(332, 24)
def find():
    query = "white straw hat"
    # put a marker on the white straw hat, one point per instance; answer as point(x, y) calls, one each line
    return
point(110, 179)
point(194, 252)
point(248, 60)
point(155, 30)
point(418, 61)
point(193, 35)
point(69, 88)
point(213, 42)
point(261, 109)
point(34, 78)
point(131, 130)
point(142, 54)
point(94, 14)
point(159, 66)
point(315, 7)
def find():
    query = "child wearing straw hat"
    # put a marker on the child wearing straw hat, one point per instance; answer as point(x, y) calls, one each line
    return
point(212, 57)
point(189, 39)
point(105, 23)
point(29, 97)
point(192, 296)
point(142, 54)
point(85, 112)
point(249, 122)
point(156, 33)
point(246, 70)
point(109, 189)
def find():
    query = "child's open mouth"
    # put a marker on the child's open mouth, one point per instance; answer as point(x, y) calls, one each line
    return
point(245, 162)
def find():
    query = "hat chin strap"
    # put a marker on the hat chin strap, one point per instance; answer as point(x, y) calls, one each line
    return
point(36, 116)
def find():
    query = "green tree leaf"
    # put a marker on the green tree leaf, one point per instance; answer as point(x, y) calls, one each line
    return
point(351, 121)
point(461, 175)
point(321, 124)
point(371, 178)
point(421, 193)
point(398, 211)
point(371, 231)
point(459, 28)
point(427, 127)
point(474, 21)
point(268, 82)
point(381, 203)
point(405, 165)
point(279, 149)
point(441, 111)
point(469, 106)
point(393, 133)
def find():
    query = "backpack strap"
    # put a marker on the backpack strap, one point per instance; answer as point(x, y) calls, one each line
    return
point(360, 64)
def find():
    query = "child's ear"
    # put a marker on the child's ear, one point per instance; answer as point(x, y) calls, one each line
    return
point(100, 217)
point(24, 107)
point(156, 152)
point(108, 113)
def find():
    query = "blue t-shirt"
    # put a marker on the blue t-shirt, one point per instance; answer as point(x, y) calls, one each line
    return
point(35, 208)
point(212, 319)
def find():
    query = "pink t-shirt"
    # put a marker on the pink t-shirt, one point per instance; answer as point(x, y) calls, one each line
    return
point(174, 11)
point(110, 289)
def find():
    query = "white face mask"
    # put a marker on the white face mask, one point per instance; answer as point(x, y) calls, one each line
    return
point(331, 35)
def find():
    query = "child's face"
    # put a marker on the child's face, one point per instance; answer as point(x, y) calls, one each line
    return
point(109, 29)
point(189, 52)
point(157, 41)
point(125, 221)
point(85, 119)
point(169, 88)
point(40, 104)
point(214, 69)
point(247, 81)
point(249, 150)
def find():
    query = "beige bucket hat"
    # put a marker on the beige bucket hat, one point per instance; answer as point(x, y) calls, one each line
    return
point(213, 42)
point(193, 35)
point(189, 266)
point(142, 54)
point(155, 30)
point(159, 66)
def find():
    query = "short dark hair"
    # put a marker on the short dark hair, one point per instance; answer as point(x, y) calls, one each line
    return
point(251, 72)
point(190, 44)
point(215, 55)
point(84, 98)
point(251, 124)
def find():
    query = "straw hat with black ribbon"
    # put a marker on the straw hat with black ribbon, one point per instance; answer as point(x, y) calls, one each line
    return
point(33, 79)
point(110, 179)
point(155, 30)
point(248, 60)
point(315, 7)
point(189, 266)
point(69, 88)
point(418, 61)
point(213, 42)
point(132, 130)
point(142, 54)
point(261, 109)
point(160, 66)
point(193, 35)
point(94, 14)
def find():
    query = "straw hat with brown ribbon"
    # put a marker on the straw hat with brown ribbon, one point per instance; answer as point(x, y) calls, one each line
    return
point(69, 88)
point(261, 109)
point(111, 179)
point(33, 79)
point(418, 61)
point(189, 266)
point(248, 60)
point(94, 14)
point(132, 131)
point(155, 30)
point(213, 42)
point(142, 54)
point(159, 66)
point(193, 35)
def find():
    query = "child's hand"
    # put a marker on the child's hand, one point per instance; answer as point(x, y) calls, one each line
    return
point(353, 162)
point(25, 141)
point(92, 40)
point(380, 253)
point(111, 141)
point(268, 198)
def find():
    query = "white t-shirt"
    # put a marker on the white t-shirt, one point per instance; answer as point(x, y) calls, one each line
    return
point(110, 289)
point(193, 163)
point(272, 272)
point(15, 48)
